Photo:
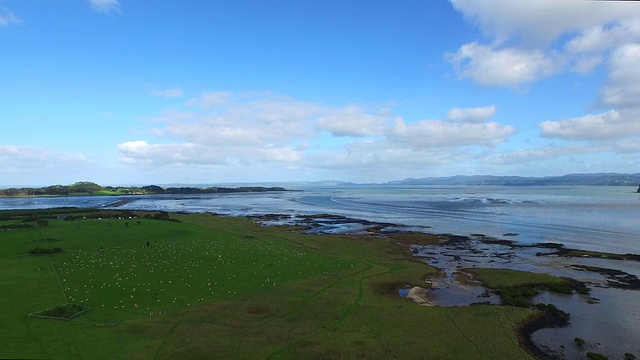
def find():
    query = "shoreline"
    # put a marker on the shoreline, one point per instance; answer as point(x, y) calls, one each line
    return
point(550, 316)
point(465, 210)
point(544, 320)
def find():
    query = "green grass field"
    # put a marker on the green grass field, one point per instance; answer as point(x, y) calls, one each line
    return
point(503, 278)
point(214, 287)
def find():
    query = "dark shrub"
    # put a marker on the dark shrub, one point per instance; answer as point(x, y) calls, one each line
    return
point(596, 356)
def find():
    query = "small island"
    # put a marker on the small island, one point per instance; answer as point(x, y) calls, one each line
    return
point(86, 188)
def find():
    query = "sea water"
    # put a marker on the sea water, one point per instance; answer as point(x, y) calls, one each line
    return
point(599, 218)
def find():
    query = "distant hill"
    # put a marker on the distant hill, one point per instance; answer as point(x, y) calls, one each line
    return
point(600, 179)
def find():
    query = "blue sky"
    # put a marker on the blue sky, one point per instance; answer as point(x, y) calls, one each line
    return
point(159, 92)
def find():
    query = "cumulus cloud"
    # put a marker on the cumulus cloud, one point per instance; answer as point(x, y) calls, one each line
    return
point(604, 126)
point(621, 92)
point(31, 164)
point(541, 21)
point(536, 39)
point(605, 36)
point(622, 89)
point(15, 154)
point(253, 128)
point(529, 41)
point(252, 118)
point(176, 154)
point(7, 18)
point(105, 6)
point(228, 127)
point(210, 99)
point(167, 93)
point(586, 64)
point(588, 127)
point(380, 159)
point(436, 133)
point(463, 127)
point(628, 145)
point(352, 121)
point(280, 154)
point(471, 115)
point(537, 154)
point(189, 154)
point(509, 67)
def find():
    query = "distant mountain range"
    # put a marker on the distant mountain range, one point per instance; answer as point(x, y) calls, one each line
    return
point(600, 179)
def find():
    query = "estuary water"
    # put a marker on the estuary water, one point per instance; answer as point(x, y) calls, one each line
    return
point(596, 218)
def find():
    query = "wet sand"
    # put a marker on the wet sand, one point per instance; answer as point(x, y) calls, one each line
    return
point(420, 295)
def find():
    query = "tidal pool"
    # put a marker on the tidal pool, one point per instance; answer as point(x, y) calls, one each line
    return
point(608, 319)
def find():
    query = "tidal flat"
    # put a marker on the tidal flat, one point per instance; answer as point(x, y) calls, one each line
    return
point(205, 286)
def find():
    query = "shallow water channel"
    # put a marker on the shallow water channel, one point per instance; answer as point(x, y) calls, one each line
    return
point(608, 319)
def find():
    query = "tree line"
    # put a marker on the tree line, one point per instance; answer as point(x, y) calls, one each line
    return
point(90, 188)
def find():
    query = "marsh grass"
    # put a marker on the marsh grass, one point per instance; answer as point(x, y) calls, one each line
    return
point(506, 278)
point(415, 239)
point(516, 288)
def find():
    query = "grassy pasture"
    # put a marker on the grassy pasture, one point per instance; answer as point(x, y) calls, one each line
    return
point(212, 287)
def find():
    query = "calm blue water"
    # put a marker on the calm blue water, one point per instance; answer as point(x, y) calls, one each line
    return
point(594, 218)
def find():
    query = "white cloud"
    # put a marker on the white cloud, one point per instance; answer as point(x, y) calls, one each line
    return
point(628, 145)
point(25, 165)
point(531, 40)
point(384, 160)
point(228, 127)
point(255, 129)
point(543, 153)
point(622, 89)
point(7, 18)
point(509, 67)
point(585, 64)
point(189, 154)
point(605, 126)
point(167, 93)
point(142, 153)
point(27, 155)
point(471, 115)
point(437, 134)
point(280, 154)
point(210, 99)
point(212, 134)
point(604, 37)
point(105, 6)
point(281, 110)
point(242, 119)
point(541, 21)
point(621, 92)
point(352, 121)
